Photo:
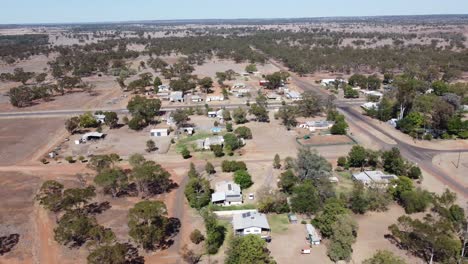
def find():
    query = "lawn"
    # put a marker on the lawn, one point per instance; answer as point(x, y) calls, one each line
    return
point(189, 140)
point(346, 183)
point(278, 223)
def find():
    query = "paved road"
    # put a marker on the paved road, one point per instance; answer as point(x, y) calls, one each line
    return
point(74, 112)
point(421, 156)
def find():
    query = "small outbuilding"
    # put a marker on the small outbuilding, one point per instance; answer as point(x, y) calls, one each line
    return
point(159, 132)
point(292, 218)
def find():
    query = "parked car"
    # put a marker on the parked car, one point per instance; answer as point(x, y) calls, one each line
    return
point(251, 196)
point(305, 251)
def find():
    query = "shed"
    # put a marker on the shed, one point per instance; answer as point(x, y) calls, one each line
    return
point(292, 218)
point(91, 136)
point(159, 132)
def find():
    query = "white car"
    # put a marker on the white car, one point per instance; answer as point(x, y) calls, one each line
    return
point(251, 196)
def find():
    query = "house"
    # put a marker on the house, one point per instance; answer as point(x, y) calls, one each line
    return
point(196, 98)
point(208, 142)
point(163, 95)
point(90, 136)
point(227, 193)
point(215, 98)
point(176, 97)
point(370, 106)
point(293, 95)
point(219, 113)
point(373, 177)
point(273, 96)
point(327, 82)
point(188, 130)
point(164, 88)
point(317, 125)
point(372, 93)
point(100, 118)
point(251, 223)
point(241, 92)
point(212, 114)
point(239, 86)
point(159, 132)
point(313, 235)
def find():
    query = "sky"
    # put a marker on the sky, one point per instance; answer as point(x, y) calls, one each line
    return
point(76, 11)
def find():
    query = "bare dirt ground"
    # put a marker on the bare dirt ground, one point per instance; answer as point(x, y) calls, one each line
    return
point(21, 139)
point(372, 228)
point(455, 164)
point(106, 95)
point(318, 140)
point(122, 141)
point(286, 246)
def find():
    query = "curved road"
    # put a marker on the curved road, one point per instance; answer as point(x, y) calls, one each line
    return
point(422, 156)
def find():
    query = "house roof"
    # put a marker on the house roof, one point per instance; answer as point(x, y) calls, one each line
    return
point(250, 219)
point(177, 94)
point(228, 187)
point(218, 197)
point(321, 123)
point(159, 130)
point(92, 134)
point(293, 94)
point(218, 140)
point(374, 176)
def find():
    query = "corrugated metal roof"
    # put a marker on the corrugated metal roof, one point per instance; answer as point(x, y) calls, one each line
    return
point(250, 219)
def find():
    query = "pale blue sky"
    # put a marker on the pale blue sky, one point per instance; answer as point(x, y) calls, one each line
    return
point(58, 11)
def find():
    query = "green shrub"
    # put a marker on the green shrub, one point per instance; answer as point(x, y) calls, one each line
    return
point(243, 178)
point(232, 166)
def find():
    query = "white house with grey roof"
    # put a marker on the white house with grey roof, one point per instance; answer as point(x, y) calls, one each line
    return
point(373, 177)
point(317, 125)
point(251, 223)
point(176, 97)
point(208, 142)
point(227, 193)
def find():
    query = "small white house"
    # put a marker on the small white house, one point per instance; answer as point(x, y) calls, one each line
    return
point(215, 98)
point(100, 118)
point(317, 125)
point(370, 106)
point(176, 97)
point(212, 114)
point(371, 93)
point(238, 86)
point(373, 177)
point(164, 88)
point(196, 98)
point(159, 132)
point(293, 95)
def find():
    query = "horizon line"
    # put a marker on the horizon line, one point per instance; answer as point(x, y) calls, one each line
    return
point(218, 19)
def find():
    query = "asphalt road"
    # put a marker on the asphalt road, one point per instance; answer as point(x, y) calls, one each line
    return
point(421, 156)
